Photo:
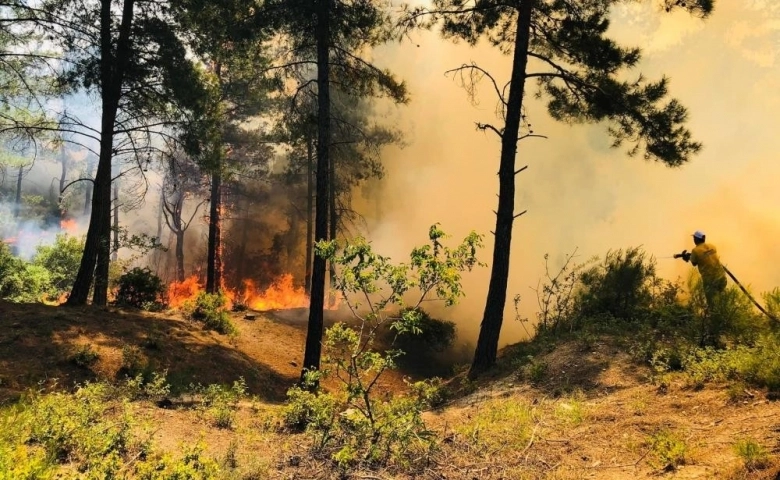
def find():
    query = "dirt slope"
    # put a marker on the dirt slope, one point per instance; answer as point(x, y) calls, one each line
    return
point(38, 344)
point(586, 412)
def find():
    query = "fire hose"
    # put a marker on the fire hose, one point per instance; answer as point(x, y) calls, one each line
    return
point(685, 255)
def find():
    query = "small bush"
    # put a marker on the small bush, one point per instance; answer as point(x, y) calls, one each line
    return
point(220, 403)
point(140, 288)
point(753, 455)
point(620, 286)
point(155, 388)
point(668, 449)
point(435, 335)
point(133, 361)
point(210, 309)
point(84, 356)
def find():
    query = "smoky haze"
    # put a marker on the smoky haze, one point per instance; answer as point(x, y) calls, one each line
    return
point(579, 192)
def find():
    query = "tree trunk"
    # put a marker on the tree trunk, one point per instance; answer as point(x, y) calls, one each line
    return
point(96, 247)
point(63, 174)
point(115, 254)
point(487, 344)
point(89, 188)
point(333, 226)
point(180, 256)
point(309, 211)
point(241, 255)
point(18, 200)
point(311, 358)
point(214, 254)
point(160, 217)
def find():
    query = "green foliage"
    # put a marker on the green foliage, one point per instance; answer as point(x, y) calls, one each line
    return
point(21, 281)
point(668, 450)
point(61, 260)
point(587, 82)
point(220, 403)
point(622, 286)
point(753, 454)
point(92, 431)
point(435, 335)
point(140, 288)
point(351, 423)
point(756, 364)
point(498, 426)
point(211, 311)
point(84, 356)
point(154, 388)
point(619, 293)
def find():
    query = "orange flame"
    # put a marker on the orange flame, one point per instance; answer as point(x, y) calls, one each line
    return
point(281, 294)
point(69, 225)
point(180, 292)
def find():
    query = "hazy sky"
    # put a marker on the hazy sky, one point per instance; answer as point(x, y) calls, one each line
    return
point(580, 193)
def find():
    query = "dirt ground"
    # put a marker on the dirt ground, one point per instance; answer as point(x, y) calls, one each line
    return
point(591, 413)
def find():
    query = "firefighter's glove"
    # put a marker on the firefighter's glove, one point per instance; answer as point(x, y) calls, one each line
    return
point(685, 255)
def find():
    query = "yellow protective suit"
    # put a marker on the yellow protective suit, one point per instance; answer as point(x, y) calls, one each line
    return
point(705, 257)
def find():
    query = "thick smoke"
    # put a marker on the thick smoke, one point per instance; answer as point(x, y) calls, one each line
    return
point(580, 193)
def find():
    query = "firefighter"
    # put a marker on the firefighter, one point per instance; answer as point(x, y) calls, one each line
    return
point(704, 256)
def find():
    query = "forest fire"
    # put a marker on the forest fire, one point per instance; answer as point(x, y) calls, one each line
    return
point(69, 226)
point(281, 294)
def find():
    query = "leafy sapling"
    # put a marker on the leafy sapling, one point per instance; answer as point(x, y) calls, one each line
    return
point(359, 426)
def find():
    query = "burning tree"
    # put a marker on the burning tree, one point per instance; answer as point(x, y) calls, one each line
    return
point(224, 37)
point(562, 44)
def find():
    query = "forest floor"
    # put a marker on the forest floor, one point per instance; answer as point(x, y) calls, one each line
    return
point(578, 410)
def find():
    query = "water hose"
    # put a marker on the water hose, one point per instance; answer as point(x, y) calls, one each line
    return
point(750, 296)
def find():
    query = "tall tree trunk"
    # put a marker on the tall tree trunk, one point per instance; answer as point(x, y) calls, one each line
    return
point(63, 174)
point(89, 188)
point(160, 218)
point(18, 200)
point(241, 255)
point(333, 224)
point(115, 254)
point(96, 246)
point(311, 357)
point(214, 254)
point(309, 211)
point(180, 256)
point(490, 330)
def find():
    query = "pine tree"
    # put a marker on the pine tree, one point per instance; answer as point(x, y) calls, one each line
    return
point(579, 71)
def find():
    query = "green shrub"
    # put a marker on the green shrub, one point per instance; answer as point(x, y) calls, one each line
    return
point(88, 434)
point(350, 422)
point(753, 455)
point(620, 286)
point(84, 356)
point(21, 281)
point(140, 288)
point(210, 309)
point(220, 403)
point(669, 451)
point(435, 335)
point(61, 260)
